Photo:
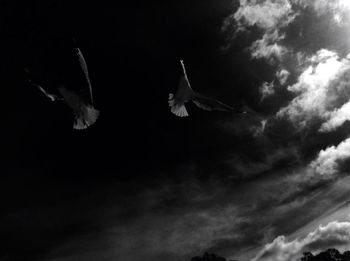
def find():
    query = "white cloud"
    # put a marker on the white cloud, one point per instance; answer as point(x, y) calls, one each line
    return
point(319, 88)
point(338, 9)
point(268, 47)
point(327, 162)
point(334, 234)
point(267, 89)
point(282, 76)
point(266, 15)
point(336, 118)
point(269, 16)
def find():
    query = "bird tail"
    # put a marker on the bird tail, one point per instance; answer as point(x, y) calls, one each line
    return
point(178, 110)
point(88, 118)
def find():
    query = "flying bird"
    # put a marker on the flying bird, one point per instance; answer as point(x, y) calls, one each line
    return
point(185, 94)
point(68, 81)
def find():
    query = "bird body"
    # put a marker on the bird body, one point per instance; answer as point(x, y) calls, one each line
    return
point(185, 94)
point(63, 75)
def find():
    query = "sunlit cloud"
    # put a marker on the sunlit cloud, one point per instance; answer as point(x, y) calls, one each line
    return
point(328, 160)
point(263, 14)
point(319, 89)
point(338, 8)
point(336, 118)
point(334, 234)
point(268, 47)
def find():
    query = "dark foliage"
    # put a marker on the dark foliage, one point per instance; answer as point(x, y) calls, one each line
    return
point(329, 255)
point(209, 257)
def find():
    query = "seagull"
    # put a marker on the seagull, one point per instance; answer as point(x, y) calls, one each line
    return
point(185, 94)
point(73, 87)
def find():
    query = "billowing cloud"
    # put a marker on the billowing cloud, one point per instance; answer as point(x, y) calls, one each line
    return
point(268, 16)
point(263, 14)
point(334, 234)
point(336, 118)
point(320, 88)
point(328, 160)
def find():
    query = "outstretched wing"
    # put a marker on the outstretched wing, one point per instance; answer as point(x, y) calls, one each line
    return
point(210, 104)
point(71, 69)
point(184, 90)
point(87, 86)
point(78, 94)
point(183, 94)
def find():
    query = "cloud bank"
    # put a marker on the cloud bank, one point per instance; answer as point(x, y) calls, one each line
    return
point(335, 234)
point(320, 88)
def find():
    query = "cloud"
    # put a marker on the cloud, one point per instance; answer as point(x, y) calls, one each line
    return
point(320, 88)
point(171, 222)
point(334, 234)
point(201, 230)
point(269, 16)
point(337, 8)
point(282, 76)
point(328, 160)
point(266, 15)
point(267, 47)
point(267, 89)
point(259, 131)
point(336, 118)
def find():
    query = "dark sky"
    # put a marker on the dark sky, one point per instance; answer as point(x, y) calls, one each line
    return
point(142, 184)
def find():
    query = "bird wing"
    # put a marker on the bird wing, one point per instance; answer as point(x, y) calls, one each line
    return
point(83, 66)
point(210, 104)
point(183, 94)
point(184, 91)
point(72, 70)
point(51, 96)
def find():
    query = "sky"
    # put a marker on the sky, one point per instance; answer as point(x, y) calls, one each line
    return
point(143, 184)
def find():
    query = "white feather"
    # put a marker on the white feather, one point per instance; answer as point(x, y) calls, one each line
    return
point(179, 111)
point(86, 119)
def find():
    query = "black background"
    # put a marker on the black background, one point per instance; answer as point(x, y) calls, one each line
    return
point(54, 180)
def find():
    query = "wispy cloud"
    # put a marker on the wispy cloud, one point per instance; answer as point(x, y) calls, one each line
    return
point(267, 89)
point(268, 47)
